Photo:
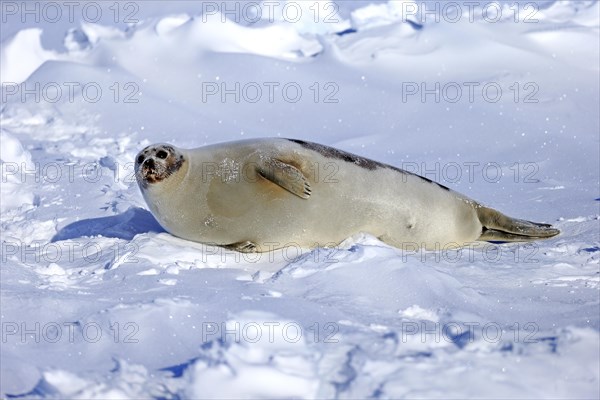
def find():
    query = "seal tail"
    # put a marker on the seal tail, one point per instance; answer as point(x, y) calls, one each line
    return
point(498, 227)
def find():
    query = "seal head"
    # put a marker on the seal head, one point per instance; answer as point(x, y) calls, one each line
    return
point(156, 163)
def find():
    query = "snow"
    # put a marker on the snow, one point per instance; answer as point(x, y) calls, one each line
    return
point(13, 159)
point(98, 301)
point(29, 61)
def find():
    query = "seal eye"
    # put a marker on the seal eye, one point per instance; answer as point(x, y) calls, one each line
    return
point(161, 154)
point(140, 159)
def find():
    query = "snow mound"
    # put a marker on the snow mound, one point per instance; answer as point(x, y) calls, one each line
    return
point(22, 55)
point(16, 163)
point(268, 358)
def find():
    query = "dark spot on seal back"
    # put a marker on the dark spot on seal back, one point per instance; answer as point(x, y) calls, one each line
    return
point(330, 152)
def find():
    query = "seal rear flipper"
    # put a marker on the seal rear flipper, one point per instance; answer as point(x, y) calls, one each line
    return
point(285, 175)
point(499, 227)
point(492, 235)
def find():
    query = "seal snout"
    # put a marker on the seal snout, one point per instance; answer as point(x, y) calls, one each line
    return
point(149, 169)
point(148, 164)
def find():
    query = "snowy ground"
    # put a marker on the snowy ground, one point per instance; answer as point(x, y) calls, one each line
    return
point(99, 302)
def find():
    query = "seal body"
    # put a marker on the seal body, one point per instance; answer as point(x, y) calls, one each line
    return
point(263, 194)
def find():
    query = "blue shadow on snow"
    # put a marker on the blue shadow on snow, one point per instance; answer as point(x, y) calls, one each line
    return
point(123, 226)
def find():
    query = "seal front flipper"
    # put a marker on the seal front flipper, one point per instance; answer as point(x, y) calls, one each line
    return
point(285, 175)
point(499, 227)
point(243, 247)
